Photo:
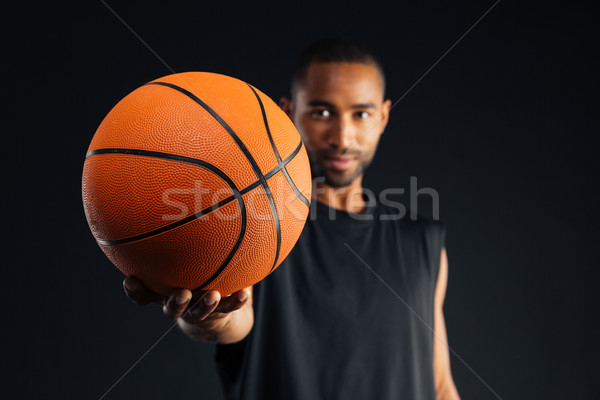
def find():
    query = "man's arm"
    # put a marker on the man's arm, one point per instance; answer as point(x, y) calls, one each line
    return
point(208, 318)
point(444, 384)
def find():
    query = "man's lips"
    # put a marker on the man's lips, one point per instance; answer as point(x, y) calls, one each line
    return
point(339, 163)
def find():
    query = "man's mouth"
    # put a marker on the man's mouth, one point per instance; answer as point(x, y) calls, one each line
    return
point(339, 163)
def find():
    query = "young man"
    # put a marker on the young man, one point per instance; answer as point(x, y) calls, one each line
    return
point(323, 325)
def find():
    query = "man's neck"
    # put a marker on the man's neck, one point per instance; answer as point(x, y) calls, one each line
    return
point(347, 198)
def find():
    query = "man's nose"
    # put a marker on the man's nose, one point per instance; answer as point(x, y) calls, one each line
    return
point(342, 134)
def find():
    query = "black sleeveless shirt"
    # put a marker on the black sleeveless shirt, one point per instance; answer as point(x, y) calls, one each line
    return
point(327, 327)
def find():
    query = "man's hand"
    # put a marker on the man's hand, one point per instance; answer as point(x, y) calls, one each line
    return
point(209, 317)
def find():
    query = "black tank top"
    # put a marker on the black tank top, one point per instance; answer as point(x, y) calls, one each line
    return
point(326, 327)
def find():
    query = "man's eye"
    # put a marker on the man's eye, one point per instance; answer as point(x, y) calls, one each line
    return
point(321, 113)
point(363, 114)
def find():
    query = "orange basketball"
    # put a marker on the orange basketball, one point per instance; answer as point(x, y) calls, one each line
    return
point(196, 180)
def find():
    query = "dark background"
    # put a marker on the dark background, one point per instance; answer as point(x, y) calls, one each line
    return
point(503, 128)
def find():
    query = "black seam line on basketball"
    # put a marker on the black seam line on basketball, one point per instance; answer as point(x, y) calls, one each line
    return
point(187, 160)
point(246, 152)
point(264, 115)
point(285, 172)
point(268, 175)
point(168, 227)
point(171, 157)
point(222, 122)
point(236, 195)
point(233, 251)
point(272, 172)
point(284, 162)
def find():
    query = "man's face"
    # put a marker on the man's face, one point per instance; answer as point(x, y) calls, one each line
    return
point(340, 113)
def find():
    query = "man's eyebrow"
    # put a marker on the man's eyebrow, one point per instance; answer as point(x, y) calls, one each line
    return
point(364, 105)
point(321, 103)
point(326, 104)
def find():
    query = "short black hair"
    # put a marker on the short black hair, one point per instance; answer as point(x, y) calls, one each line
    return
point(332, 50)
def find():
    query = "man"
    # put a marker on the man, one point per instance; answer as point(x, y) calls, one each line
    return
point(323, 325)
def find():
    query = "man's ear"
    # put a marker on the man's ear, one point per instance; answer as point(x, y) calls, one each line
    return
point(286, 105)
point(385, 114)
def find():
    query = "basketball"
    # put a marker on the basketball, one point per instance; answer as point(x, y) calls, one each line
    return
point(196, 180)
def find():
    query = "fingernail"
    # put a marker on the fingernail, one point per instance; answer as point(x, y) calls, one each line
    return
point(129, 286)
point(243, 296)
point(180, 300)
point(209, 300)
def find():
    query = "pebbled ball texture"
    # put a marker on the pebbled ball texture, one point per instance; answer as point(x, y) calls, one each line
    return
point(196, 180)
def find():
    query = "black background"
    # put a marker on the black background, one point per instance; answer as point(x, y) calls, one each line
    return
point(503, 128)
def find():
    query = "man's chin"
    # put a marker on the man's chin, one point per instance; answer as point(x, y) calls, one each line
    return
point(339, 179)
point(335, 178)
